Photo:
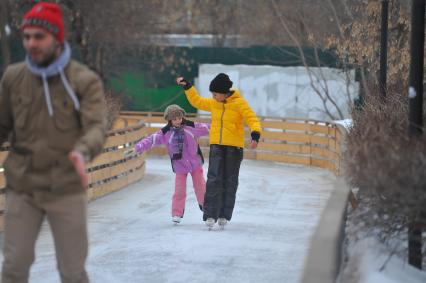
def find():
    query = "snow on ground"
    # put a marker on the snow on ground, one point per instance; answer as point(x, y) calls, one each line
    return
point(366, 260)
point(346, 123)
point(370, 262)
point(132, 238)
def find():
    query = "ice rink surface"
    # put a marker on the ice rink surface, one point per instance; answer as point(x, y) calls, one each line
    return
point(132, 237)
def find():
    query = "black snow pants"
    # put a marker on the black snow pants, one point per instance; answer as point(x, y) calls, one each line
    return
point(222, 181)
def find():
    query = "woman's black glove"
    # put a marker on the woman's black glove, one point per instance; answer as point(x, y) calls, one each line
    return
point(255, 136)
point(186, 85)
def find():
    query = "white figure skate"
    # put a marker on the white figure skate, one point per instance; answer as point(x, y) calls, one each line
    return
point(210, 223)
point(222, 222)
point(176, 219)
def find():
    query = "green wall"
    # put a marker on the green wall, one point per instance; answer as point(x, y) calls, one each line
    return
point(140, 97)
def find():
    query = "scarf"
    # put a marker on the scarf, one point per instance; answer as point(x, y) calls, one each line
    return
point(55, 68)
point(178, 139)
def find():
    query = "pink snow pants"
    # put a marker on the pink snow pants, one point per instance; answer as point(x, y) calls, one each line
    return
point(179, 197)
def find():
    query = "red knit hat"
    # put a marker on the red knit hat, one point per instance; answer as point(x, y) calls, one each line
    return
point(48, 16)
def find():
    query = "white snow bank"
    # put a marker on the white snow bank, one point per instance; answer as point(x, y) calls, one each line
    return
point(370, 262)
point(347, 123)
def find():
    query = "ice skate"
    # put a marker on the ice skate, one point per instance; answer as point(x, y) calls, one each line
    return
point(210, 223)
point(176, 219)
point(222, 222)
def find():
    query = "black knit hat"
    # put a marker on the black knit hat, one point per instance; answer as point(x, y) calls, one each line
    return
point(221, 84)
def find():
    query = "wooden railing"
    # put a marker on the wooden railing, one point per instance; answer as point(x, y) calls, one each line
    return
point(289, 140)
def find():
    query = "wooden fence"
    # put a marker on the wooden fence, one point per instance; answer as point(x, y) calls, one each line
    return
point(289, 140)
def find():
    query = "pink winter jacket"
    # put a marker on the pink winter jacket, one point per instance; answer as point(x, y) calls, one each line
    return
point(190, 158)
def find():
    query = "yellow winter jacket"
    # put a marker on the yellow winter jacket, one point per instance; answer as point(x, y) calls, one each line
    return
point(227, 127)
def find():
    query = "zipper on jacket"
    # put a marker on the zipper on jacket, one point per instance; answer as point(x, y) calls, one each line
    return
point(221, 124)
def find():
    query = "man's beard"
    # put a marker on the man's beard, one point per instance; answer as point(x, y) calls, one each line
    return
point(48, 60)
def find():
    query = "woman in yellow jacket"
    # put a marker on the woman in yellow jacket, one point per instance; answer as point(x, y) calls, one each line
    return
point(229, 111)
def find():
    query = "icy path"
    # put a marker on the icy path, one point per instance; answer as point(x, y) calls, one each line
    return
point(134, 240)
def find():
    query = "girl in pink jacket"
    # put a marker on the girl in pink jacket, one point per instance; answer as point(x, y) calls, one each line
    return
point(180, 137)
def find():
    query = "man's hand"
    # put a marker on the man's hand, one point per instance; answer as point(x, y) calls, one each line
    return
point(77, 159)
